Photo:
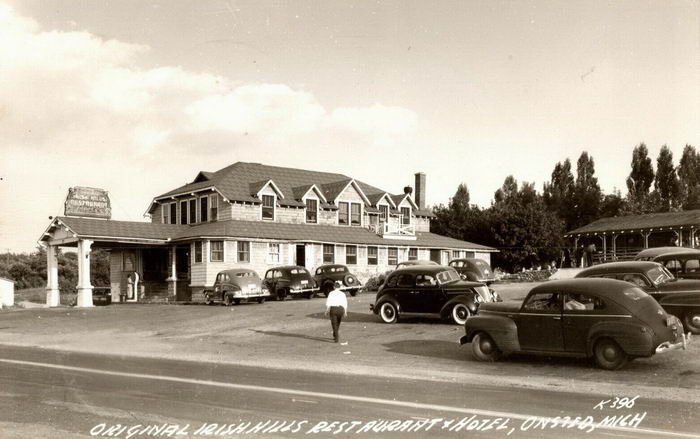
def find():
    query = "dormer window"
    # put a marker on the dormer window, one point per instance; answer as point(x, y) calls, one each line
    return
point(355, 214)
point(311, 211)
point(204, 209)
point(183, 212)
point(343, 214)
point(173, 213)
point(214, 207)
point(405, 216)
point(383, 212)
point(268, 207)
point(193, 210)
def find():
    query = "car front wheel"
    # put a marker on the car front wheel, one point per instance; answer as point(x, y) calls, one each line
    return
point(692, 322)
point(609, 355)
point(484, 348)
point(228, 300)
point(460, 313)
point(388, 313)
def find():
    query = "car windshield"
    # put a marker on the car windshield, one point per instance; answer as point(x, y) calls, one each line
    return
point(659, 275)
point(447, 276)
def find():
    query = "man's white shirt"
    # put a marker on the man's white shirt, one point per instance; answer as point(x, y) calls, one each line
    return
point(337, 298)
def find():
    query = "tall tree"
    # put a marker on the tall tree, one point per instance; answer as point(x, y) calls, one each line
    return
point(689, 178)
point(587, 195)
point(558, 193)
point(666, 181)
point(642, 175)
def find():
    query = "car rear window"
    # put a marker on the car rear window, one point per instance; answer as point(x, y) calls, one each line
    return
point(482, 264)
point(635, 293)
point(298, 271)
point(245, 274)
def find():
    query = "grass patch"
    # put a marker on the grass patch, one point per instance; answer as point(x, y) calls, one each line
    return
point(38, 295)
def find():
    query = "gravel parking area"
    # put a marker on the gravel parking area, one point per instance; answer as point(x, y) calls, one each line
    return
point(295, 334)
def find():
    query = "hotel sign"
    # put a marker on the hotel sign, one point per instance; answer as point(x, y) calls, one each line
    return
point(89, 202)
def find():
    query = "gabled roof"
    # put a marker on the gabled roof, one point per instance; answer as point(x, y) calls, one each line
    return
point(376, 198)
point(398, 199)
point(638, 223)
point(301, 191)
point(110, 230)
point(203, 176)
point(233, 182)
point(258, 186)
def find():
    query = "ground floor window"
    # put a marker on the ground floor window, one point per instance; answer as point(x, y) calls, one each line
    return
point(243, 251)
point(455, 254)
point(328, 253)
point(351, 254)
point(393, 256)
point(273, 253)
point(412, 254)
point(198, 251)
point(217, 251)
point(372, 257)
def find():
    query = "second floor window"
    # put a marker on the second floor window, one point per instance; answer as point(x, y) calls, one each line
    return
point(268, 207)
point(217, 251)
point(355, 214)
point(412, 254)
point(198, 251)
point(243, 251)
point(165, 213)
point(372, 257)
point(393, 256)
point(405, 215)
point(204, 209)
point(351, 254)
point(343, 214)
point(312, 211)
point(328, 253)
point(183, 212)
point(173, 213)
point(214, 208)
point(193, 211)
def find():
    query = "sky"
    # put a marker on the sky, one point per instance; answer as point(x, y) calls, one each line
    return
point(136, 96)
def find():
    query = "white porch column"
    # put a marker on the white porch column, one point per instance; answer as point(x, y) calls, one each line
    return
point(84, 286)
point(52, 292)
point(172, 279)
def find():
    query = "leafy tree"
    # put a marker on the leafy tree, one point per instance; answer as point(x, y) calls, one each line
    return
point(587, 195)
point(613, 204)
point(558, 193)
point(642, 175)
point(666, 183)
point(689, 178)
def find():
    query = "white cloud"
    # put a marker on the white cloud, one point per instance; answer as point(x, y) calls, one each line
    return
point(76, 109)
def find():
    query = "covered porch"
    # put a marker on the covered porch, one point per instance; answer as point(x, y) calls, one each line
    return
point(621, 238)
point(144, 265)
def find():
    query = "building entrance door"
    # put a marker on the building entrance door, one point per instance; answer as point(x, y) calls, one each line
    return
point(435, 256)
point(301, 255)
point(182, 267)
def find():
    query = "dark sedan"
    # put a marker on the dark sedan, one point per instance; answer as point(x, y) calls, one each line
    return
point(429, 290)
point(291, 280)
point(609, 320)
point(327, 275)
point(680, 297)
point(682, 264)
point(473, 269)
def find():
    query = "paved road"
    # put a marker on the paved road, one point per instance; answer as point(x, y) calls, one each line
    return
point(46, 393)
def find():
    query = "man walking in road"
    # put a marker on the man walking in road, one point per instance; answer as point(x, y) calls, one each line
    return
point(336, 307)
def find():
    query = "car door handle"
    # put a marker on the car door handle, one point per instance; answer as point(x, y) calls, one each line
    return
point(557, 317)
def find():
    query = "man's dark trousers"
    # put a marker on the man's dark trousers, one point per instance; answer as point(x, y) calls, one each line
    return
point(336, 313)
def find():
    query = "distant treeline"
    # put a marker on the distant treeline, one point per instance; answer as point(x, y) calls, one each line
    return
point(29, 270)
point(528, 226)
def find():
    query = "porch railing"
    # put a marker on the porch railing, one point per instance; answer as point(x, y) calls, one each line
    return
point(386, 229)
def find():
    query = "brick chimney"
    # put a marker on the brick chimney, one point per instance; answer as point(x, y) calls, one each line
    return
point(420, 190)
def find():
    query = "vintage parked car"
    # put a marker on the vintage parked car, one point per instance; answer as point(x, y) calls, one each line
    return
point(682, 264)
point(678, 297)
point(649, 254)
point(327, 275)
point(429, 290)
point(290, 280)
point(236, 285)
point(473, 269)
point(101, 296)
point(416, 262)
point(609, 320)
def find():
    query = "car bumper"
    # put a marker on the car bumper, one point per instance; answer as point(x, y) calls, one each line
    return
point(668, 346)
point(250, 295)
point(303, 290)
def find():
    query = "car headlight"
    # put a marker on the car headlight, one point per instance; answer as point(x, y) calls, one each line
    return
point(265, 290)
point(477, 298)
